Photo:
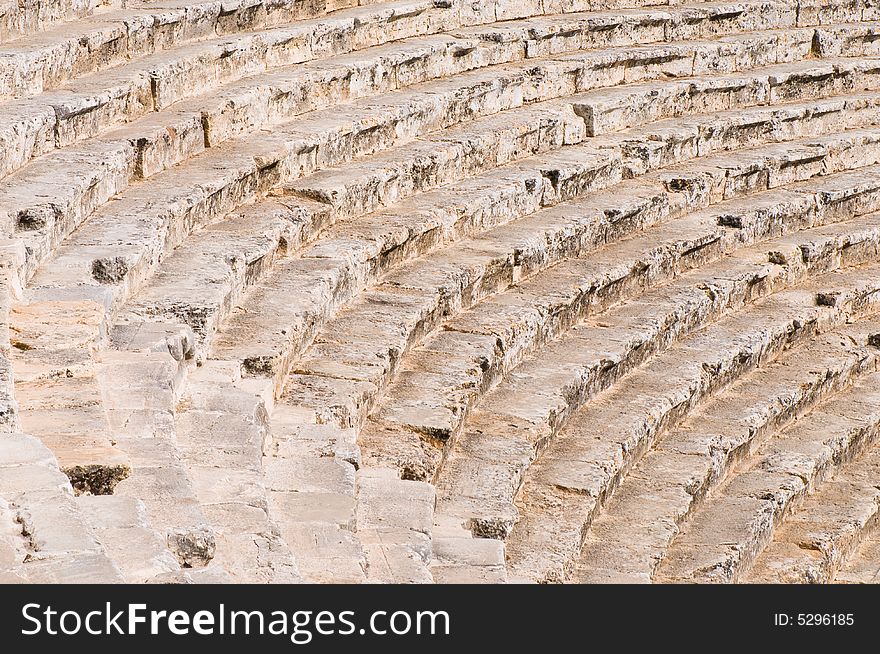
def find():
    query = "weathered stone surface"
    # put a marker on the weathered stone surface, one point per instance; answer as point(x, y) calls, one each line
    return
point(419, 291)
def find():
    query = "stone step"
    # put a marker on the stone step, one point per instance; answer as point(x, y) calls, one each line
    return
point(142, 422)
point(45, 225)
point(822, 535)
point(459, 557)
point(267, 347)
point(540, 398)
point(58, 543)
point(199, 283)
point(90, 106)
point(650, 22)
point(175, 295)
point(668, 484)
point(117, 36)
point(479, 346)
point(725, 536)
point(230, 175)
point(361, 187)
point(199, 34)
point(58, 392)
point(310, 475)
point(864, 567)
point(395, 521)
point(32, 16)
point(124, 532)
point(35, 202)
point(672, 141)
point(222, 435)
point(611, 110)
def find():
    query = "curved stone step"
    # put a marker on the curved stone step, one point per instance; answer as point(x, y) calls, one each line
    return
point(486, 201)
point(91, 105)
point(670, 482)
point(197, 35)
point(88, 106)
point(822, 535)
point(722, 540)
point(605, 111)
point(156, 142)
point(491, 338)
point(21, 18)
point(578, 367)
point(54, 220)
point(476, 348)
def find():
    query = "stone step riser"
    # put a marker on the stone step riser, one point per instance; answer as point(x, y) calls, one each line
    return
point(142, 421)
point(832, 378)
point(22, 18)
point(601, 560)
point(187, 38)
point(364, 196)
point(657, 266)
point(659, 263)
point(159, 144)
point(124, 531)
point(564, 183)
point(120, 38)
point(354, 198)
point(462, 297)
point(738, 564)
point(784, 561)
point(61, 118)
point(498, 524)
point(225, 427)
point(35, 129)
point(56, 541)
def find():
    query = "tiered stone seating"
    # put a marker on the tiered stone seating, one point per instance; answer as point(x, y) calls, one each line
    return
point(438, 291)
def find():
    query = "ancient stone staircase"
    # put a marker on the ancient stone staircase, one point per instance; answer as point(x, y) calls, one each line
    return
point(439, 291)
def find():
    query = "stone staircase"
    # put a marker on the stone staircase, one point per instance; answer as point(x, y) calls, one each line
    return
point(439, 291)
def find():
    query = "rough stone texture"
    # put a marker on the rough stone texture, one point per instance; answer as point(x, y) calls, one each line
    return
point(439, 291)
